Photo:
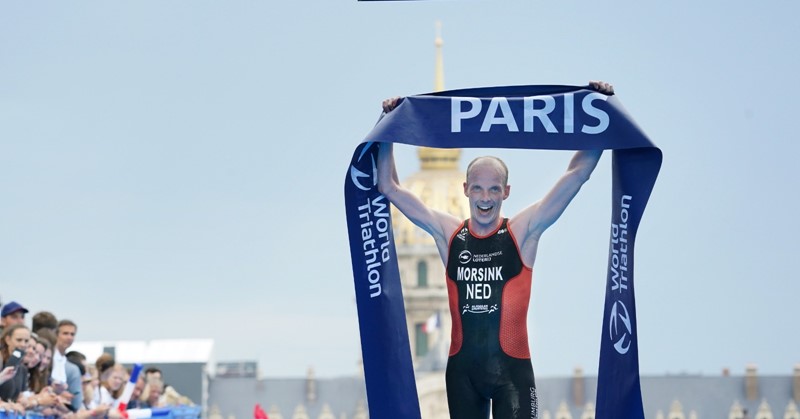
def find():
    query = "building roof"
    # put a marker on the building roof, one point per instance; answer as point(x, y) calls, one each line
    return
point(708, 397)
point(152, 351)
point(705, 396)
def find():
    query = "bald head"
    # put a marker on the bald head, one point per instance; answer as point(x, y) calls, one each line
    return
point(489, 161)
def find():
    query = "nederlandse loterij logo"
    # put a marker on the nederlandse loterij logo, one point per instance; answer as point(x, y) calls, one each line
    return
point(619, 327)
point(357, 176)
point(464, 256)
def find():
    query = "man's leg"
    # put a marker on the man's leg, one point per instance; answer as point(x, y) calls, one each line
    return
point(463, 399)
point(516, 397)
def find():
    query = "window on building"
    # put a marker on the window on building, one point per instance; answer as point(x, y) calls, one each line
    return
point(421, 340)
point(422, 274)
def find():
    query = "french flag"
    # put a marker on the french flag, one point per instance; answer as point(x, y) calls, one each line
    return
point(432, 324)
point(122, 402)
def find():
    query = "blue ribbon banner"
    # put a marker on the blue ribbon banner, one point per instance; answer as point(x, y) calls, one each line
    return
point(526, 117)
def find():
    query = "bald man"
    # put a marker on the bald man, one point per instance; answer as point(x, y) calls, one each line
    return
point(489, 261)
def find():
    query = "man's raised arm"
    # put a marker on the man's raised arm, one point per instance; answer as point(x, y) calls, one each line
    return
point(538, 217)
point(535, 219)
point(438, 224)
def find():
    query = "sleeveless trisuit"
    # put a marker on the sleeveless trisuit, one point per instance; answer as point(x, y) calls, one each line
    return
point(489, 290)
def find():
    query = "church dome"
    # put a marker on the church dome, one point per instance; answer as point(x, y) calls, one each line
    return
point(440, 185)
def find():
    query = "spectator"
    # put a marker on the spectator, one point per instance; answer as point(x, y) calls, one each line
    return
point(79, 360)
point(112, 381)
point(48, 335)
point(169, 396)
point(14, 337)
point(12, 313)
point(44, 320)
point(46, 365)
point(153, 372)
point(38, 378)
point(151, 395)
point(115, 384)
point(138, 392)
point(103, 365)
point(87, 411)
point(66, 374)
point(48, 339)
point(31, 358)
point(89, 382)
point(38, 396)
point(173, 398)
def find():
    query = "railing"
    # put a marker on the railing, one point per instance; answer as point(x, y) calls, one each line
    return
point(174, 412)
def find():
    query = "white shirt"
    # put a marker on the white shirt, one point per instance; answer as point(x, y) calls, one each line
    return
point(59, 367)
point(102, 396)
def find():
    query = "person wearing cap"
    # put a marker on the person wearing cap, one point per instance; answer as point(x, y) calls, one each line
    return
point(12, 313)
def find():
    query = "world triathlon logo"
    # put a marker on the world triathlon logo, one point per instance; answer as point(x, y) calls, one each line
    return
point(358, 177)
point(464, 257)
point(619, 327)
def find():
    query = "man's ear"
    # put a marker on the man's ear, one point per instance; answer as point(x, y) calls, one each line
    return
point(465, 190)
point(506, 192)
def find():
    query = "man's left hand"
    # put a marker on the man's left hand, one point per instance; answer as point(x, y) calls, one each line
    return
point(602, 87)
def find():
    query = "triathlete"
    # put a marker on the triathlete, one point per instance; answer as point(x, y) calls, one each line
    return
point(489, 260)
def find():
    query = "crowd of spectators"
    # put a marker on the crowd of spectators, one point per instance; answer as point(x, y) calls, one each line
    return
point(39, 373)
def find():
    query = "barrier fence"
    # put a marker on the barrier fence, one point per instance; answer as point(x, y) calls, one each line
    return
point(174, 412)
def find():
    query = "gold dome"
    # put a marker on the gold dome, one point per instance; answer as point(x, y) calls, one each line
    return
point(439, 158)
point(440, 185)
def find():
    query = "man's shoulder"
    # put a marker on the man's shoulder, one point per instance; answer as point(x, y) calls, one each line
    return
point(457, 229)
point(72, 368)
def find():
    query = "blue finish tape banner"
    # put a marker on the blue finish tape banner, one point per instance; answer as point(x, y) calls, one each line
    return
point(523, 117)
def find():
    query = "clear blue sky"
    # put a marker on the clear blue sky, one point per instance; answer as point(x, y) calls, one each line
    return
point(175, 169)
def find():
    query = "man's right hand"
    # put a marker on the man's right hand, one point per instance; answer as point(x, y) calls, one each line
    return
point(390, 103)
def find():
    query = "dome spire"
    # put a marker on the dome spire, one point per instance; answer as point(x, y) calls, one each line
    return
point(438, 158)
point(438, 84)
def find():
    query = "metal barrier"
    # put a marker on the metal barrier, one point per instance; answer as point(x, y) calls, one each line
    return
point(173, 412)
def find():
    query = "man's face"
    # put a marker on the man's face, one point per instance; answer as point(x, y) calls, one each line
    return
point(17, 317)
point(155, 393)
point(486, 191)
point(66, 335)
point(138, 388)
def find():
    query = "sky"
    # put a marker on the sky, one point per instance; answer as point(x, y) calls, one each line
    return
point(176, 169)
